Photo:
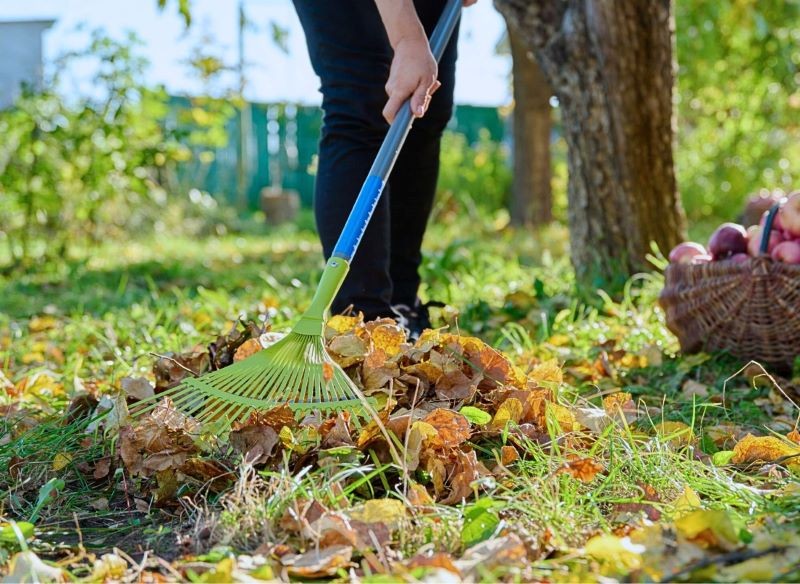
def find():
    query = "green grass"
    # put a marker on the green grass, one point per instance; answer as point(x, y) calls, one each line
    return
point(102, 316)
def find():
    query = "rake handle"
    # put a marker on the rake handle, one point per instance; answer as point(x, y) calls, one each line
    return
point(371, 191)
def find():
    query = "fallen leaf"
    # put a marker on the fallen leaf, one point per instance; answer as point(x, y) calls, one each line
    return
point(709, 528)
point(256, 443)
point(28, 567)
point(583, 469)
point(438, 560)
point(137, 387)
point(247, 349)
point(61, 460)
point(318, 563)
point(547, 372)
point(692, 388)
point(766, 449)
point(510, 411)
point(388, 511)
point(675, 433)
point(508, 454)
point(617, 555)
point(452, 429)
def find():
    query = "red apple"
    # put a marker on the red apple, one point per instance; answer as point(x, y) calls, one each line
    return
point(684, 252)
point(728, 239)
point(777, 222)
point(790, 214)
point(754, 240)
point(739, 258)
point(787, 252)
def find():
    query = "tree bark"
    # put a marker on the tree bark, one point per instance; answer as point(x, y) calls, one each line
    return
point(532, 196)
point(610, 63)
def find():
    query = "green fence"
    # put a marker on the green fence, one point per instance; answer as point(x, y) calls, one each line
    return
point(282, 146)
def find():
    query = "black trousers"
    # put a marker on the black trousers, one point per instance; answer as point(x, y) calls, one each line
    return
point(350, 53)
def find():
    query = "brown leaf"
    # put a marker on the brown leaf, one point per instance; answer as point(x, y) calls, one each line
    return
point(452, 429)
point(583, 469)
point(221, 352)
point(276, 418)
point(137, 387)
point(255, 442)
point(505, 551)
point(102, 467)
point(348, 349)
point(211, 472)
point(439, 560)
point(172, 368)
point(336, 431)
point(163, 440)
point(508, 454)
point(300, 514)
point(466, 471)
point(318, 563)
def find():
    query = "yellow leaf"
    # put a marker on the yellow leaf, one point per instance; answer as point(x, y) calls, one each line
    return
point(562, 416)
point(767, 449)
point(675, 433)
point(40, 386)
point(559, 340)
point(61, 460)
point(618, 555)
point(548, 371)
point(509, 411)
point(761, 569)
point(379, 511)
point(342, 324)
point(708, 528)
point(686, 502)
point(388, 338)
point(39, 324)
point(419, 432)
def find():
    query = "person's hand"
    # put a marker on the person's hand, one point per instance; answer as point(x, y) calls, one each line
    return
point(413, 73)
point(469, 2)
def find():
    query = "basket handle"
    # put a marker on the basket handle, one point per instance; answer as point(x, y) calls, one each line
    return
point(762, 249)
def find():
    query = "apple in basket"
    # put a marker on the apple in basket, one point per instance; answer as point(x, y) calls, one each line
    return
point(790, 214)
point(787, 252)
point(754, 240)
point(684, 253)
point(739, 258)
point(728, 239)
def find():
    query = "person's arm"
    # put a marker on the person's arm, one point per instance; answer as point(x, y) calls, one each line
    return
point(414, 70)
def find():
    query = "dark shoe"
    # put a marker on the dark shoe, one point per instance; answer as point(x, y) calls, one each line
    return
point(414, 319)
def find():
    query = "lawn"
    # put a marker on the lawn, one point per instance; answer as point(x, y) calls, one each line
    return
point(550, 440)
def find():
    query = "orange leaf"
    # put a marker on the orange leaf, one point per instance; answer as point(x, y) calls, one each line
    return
point(452, 428)
point(327, 372)
point(767, 449)
point(583, 469)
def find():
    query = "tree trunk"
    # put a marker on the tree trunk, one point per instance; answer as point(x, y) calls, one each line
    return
point(610, 63)
point(532, 197)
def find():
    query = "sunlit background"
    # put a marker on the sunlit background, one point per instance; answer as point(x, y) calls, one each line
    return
point(276, 70)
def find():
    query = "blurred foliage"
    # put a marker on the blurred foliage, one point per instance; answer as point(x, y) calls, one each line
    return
point(184, 8)
point(473, 178)
point(739, 101)
point(79, 172)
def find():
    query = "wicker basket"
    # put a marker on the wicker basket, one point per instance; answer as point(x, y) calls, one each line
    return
point(751, 310)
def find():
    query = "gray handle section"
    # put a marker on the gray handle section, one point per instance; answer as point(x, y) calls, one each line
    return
point(399, 129)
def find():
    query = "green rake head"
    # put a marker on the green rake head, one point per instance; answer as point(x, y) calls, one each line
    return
point(296, 370)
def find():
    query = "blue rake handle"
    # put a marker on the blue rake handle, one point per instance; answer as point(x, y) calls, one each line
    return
point(371, 191)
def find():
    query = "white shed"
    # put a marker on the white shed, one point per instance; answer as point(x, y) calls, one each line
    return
point(20, 56)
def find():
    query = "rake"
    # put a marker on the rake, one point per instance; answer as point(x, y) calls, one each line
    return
point(297, 369)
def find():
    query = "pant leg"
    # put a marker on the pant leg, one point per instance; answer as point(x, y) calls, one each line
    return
point(351, 54)
point(413, 180)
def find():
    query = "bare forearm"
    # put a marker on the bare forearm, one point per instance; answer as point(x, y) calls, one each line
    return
point(401, 21)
